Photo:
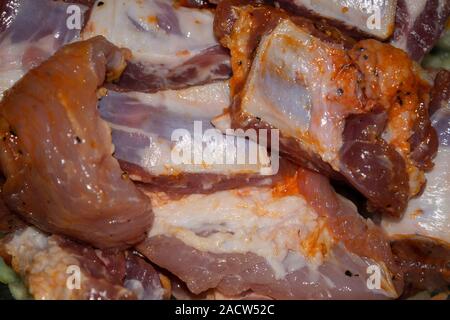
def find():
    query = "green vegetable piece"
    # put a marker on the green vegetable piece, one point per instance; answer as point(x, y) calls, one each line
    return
point(7, 275)
point(19, 291)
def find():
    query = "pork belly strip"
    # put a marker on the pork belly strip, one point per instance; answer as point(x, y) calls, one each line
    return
point(49, 264)
point(30, 32)
point(143, 128)
point(57, 152)
point(173, 47)
point(346, 109)
point(295, 240)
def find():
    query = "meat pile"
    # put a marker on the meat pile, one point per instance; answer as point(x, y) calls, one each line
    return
point(351, 134)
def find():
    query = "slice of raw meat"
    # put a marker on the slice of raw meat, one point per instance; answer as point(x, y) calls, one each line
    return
point(173, 47)
point(295, 240)
point(57, 152)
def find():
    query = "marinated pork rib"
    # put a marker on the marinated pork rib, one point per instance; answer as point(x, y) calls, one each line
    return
point(411, 25)
point(419, 25)
point(57, 152)
point(421, 238)
point(31, 31)
point(49, 266)
point(143, 128)
point(353, 110)
point(429, 214)
point(173, 47)
point(295, 240)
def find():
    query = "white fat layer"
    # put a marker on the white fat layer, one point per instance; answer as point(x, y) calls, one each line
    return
point(428, 215)
point(249, 220)
point(136, 25)
point(195, 103)
point(357, 13)
point(288, 86)
point(138, 289)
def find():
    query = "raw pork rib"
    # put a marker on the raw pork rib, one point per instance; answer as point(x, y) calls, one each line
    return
point(295, 240)
point(173, 47)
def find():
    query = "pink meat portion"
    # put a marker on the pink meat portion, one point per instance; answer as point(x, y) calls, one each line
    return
point(57, 152)
point(342, 274)
point(233, 274)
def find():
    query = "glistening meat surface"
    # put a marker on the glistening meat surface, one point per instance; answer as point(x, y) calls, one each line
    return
point(343, 108)
point(57, 152)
